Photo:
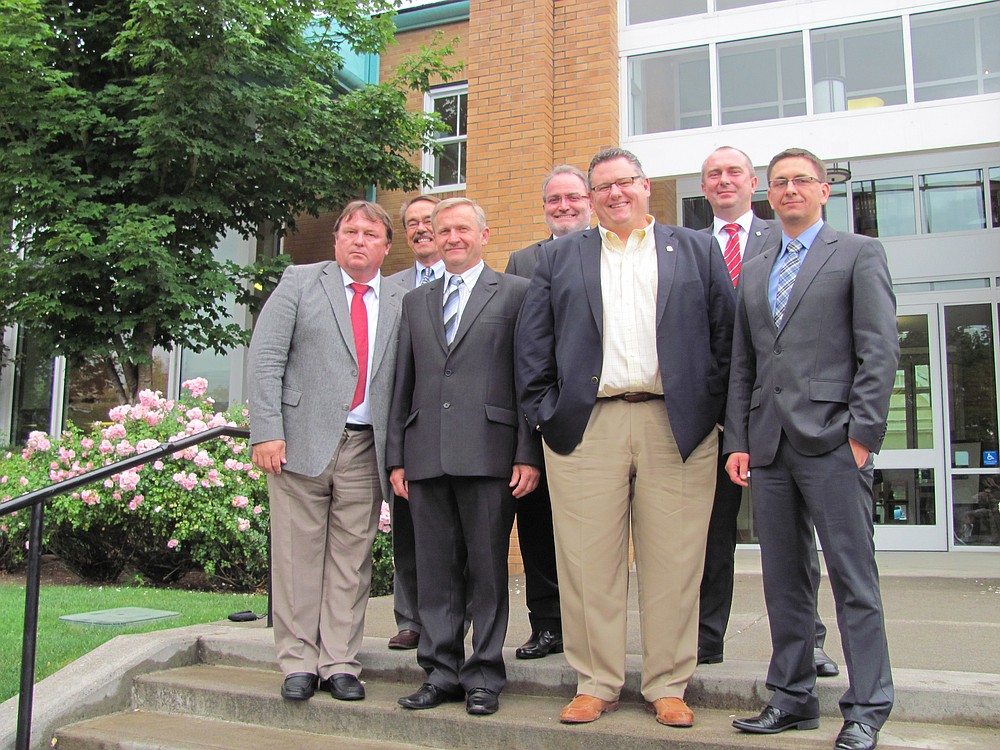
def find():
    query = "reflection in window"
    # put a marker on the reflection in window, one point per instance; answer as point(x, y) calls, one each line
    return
point(451, 104)
point(858, 66)
point(972, 393)
point(884, 208)
point(956, 52)
point(641, 11)
point(975, 499)
point(214, 368)
point(669, 91)
point(952, 201)
point(903, 497)
point(762, 79)
point(835, 210)
point(696, 212)
point(995, 195)
point(909, 425)
point(32, 388)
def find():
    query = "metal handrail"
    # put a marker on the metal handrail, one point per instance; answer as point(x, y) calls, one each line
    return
point(36, 501)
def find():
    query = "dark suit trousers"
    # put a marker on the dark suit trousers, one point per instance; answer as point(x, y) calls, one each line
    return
point(404, 583)
point(716, 601)
point(462, 531)
point(790, 495)
point(538, 551)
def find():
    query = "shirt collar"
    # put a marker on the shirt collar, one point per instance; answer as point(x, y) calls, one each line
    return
point(469, 276)
point(375, 282)
point(743, 221)
point(806, 238)
point(437, 268)
point(615, 241)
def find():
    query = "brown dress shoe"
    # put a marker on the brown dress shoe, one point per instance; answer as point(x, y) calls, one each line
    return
point(586, 708)
point(671, 711)
point(404, 640)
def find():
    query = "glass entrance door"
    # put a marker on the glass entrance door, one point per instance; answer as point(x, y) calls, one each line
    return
point(909, 494)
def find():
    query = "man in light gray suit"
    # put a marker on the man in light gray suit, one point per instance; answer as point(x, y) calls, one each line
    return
point(815, 351)
point(461, 455)
point(728, 182)
point(427, 266)
point(321, 371)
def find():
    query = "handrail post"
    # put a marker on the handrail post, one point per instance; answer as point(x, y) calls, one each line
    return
point(30, 636)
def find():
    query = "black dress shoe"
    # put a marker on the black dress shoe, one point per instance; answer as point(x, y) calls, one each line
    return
point(482, 702)
point(825, 666)
point(542, 643)
point(299, 686)
point(344, 687)
point(773, 720)
point(709, 658)
point(430, 696)
point(856, 736)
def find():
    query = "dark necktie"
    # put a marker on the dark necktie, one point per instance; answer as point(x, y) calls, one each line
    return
point(359, 322)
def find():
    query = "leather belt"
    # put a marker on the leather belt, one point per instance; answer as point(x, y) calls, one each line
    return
point(635, 397)
point(357, 427)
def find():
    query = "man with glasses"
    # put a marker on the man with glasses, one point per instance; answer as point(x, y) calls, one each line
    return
point(815, 351)
point(623, 359)
point(728, 182)
point(416, 217)
point(566, 205)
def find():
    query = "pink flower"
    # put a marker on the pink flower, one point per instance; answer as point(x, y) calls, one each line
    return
point(105, 447)
point(114, 432)
point(66, 455)
point(90, 497)
point(202, 459)
point(240, 501)
point(194, 413)
point(150, 399)
point(124, 448)
point(233, 465)
point(384, 523)
point(3, 479)
point(187, 481)
point(158, 465)
point(172, 544)
point(257, 510)
point(109, 483)
point(255, 475)
point(217, 420)
point(195, 426)
point(135, 502)
point(243, 524)
point(146, 444)
point(128, 480)
point(118, 413)
point(87, 444)
point(153, 418)
point(38, 441)
point(239, 448)
point(197, 386)
point(23, 481)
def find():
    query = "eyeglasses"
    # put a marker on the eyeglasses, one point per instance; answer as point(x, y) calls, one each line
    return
point(555, 200)
point(780, 183)
point(414, 223)
point(622, 183)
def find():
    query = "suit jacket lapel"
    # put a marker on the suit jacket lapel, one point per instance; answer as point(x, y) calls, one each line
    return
point(760, 236)
point(819, 253)
point(666, 260)
point(482, 292)
point(389, 301)
point(435, 309)
point(590, 261)
point(333, 285)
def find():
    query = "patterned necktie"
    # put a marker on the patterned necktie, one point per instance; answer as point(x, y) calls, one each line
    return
point(426, 276)
point(359, 322)
point(451, 309)
point(786, 278)
point(732, 254)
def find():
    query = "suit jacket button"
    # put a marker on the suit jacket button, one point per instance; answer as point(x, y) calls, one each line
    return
point(447, 405)
point(595, 380)
point(777, 389)
point(777, 351)
point(447, 373)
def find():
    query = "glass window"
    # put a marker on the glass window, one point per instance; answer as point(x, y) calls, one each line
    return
point(972, 392)
point(32, 389)
point(641, 11)
point(884, 208)
point(952, 201)
point(669, 91)
point(995, 195)
point(451, 104)
point(858, 66)
point(977, 515)
point(696, 213)
point(761, 79)
point(835, 210)
point(956, 52)
point(903, 497)
point(909, 425)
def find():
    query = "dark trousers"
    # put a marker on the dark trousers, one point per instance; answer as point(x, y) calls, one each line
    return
point(538, 552)
point(790, 496)
point(462, 530)
point(404, 582)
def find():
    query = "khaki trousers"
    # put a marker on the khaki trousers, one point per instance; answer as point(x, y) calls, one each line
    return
point(669, 510)
point(321, 564)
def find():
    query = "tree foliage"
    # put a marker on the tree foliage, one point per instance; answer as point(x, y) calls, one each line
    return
point(134, 134)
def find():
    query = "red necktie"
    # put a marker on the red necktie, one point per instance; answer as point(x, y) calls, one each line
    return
point(359, 322)
point(732, 253)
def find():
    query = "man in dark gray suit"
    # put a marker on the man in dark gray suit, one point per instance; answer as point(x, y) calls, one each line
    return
point(320, 377)
point(427, 266)
point(728, 182)
point(461, 456)
point(815, 351)
point(566, 205)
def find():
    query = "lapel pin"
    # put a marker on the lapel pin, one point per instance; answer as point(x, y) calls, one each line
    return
point(670, 248)
point(757, 233)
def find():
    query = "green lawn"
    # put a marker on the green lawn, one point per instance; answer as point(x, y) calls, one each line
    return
point(59, 642)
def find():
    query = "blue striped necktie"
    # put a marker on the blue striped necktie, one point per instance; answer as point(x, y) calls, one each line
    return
point(451, 309)
point(786, 279)
point(426, 276)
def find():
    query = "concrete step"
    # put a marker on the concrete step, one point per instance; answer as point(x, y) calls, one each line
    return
point(921, 695)
point(251, 697)
point(142, 730)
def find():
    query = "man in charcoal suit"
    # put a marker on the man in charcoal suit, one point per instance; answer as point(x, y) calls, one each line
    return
point(728, 182)
point(566, 205)
point(461, 456)
point(320, 377)
point(815, 351)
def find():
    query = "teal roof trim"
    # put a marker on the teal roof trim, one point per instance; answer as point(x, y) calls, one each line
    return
point(425, 16)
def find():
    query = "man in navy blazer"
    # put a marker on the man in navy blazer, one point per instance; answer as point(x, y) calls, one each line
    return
point(815, 351)
point(623, 359)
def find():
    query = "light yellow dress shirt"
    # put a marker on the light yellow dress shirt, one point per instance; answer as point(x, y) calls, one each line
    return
point(629, 280)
